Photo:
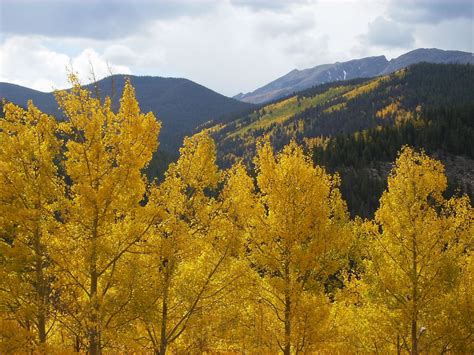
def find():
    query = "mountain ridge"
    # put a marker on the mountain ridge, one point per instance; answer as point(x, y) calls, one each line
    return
point(297, 80)
point(179, 103)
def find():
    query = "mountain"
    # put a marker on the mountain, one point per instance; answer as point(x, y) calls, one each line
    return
point(348, 107)
point(180, 104)
point(298, 80)
point(356, 127)
point(429, 55)
point(20, 96)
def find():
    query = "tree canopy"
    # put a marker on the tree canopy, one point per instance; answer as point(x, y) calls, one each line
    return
point(265, 258)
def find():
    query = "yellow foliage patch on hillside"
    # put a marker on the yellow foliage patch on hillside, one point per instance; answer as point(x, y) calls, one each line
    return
point(281, 111)
point(389, 110)
point(336, 107)
point(214, 129)
point(364, 89)
point(315, 142)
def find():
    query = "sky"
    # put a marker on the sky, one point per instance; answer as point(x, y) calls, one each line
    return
point(229, 46)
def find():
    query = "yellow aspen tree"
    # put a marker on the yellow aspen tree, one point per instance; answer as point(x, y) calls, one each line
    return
point(414, 257)
point(360, 324)
point(297, 234)
point(222, 329)
point(106, 152)
point(188, 251)
point(453, 331)
point(247, 323)
point(452, 317)
point(30, 197)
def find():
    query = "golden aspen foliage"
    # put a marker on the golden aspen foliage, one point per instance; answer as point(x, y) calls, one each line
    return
point(453, 320)
point(361, 325)
point(106, 152)
point(418, 252)
point(189, 254)
point(30, 197)
point(296, 226)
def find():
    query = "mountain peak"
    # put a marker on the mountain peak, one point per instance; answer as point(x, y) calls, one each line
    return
point(430, 55)
point(297, 80)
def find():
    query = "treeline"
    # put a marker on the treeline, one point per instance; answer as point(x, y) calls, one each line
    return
point(94, 258)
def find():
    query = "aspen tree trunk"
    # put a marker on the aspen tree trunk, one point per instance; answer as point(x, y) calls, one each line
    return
point(93, 332)
point(414, 340)
point(414, 319)
point(40, 287)
point(94, 347)
point(77, 344)
point(164, 314)
point(287, 347)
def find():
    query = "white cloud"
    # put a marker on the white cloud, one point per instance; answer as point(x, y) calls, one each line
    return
point(290, 23)
point(449, 34)
point(387, 33)
point(89, 60)
point(259, 5)
point(232, 48)
point(404, 25)
point(118, 53)
point(29, 62)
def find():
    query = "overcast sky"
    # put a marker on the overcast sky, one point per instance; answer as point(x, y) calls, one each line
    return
point(230, 46)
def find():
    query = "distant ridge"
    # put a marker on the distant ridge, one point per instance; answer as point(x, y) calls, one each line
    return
point(181, 104)
point(297, 80)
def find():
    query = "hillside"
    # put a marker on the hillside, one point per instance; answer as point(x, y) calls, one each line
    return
point(180, 104)
point(356, 127)
point(298, 80)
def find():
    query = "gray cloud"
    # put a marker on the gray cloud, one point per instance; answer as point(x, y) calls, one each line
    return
point(387, 33)
point(453, 34)
point(109, 19)
point(290, 24)
point(429, 11)
point(268, 4)
point(98, 19)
